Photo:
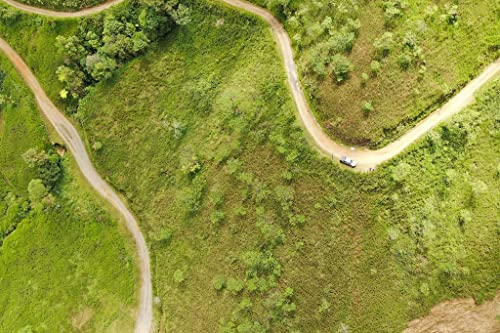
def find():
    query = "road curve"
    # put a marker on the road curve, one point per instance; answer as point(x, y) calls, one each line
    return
point(366, 158)
point(75, 144)
point(53, 13)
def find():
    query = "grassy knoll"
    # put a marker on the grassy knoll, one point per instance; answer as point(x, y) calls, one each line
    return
point(430, 50)
point(249, 229)
point(64, 265)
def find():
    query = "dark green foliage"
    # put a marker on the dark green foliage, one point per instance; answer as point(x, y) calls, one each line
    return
point(103, 43)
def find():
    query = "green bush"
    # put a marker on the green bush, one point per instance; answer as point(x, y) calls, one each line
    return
point(46, 166)
point(341, 67)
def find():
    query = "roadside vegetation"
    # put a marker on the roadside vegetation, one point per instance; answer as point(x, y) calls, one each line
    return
point(63, 5)
point(372, 69)
point(249, 229)
point(64, 264)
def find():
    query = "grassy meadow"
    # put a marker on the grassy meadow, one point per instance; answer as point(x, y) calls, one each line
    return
point(406, 58)
point(250, 230)
point(65, 265)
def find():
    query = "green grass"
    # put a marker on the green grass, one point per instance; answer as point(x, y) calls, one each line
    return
point(453, 56)
point(63, 5)
point(65, 267)
point(200, 135)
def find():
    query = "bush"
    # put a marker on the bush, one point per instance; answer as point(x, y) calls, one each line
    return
point(383, 45)
point(367, 108)
point(404, 61)
point(364, 79)
point(375, 67)
point(341, 67)
point(165, 236)
point(36, 190)
point(217, 217)
point(219, 282)
point(97, 146)
point(179, 276)
point(234, 285)
point(46, 166)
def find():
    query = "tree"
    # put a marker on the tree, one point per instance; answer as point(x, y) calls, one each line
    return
point(341, 67)
point(100, 67)
point(73, 80)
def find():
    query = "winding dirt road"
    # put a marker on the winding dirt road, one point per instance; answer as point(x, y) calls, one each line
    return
point(75, 144)
point(366, 158)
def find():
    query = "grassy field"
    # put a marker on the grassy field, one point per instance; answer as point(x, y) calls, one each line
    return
point(64, 264)
point(249, 229)
point(63, 5)
point(432, 54)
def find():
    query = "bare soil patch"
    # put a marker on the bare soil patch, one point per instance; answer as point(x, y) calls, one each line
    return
point(460, 316)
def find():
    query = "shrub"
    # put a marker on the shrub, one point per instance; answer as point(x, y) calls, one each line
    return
point(341, 67)
point(364, 79)
point(165, 236)
point(46, 166)
point(283, 306)
point(97, 146)
point(404, 61)
point(452, 15)
point(367, 108)
point(234, 285)
point(219, 282)
point(36, 190)
point(217, 217)
point(375, 67)
point(179, 276)
point(383, 45)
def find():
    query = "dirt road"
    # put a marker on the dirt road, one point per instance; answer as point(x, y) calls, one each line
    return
point(53, 13)
point(365, 158)
point(75, 144)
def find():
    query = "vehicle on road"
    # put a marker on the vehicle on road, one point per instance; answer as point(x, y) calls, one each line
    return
point(347, 161)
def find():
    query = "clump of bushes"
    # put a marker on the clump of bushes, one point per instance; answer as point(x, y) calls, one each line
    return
point(46, 166)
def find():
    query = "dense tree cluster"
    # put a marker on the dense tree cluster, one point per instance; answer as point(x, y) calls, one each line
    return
point(103, 43)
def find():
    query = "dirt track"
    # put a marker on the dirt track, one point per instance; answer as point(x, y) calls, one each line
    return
point(365, 158)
